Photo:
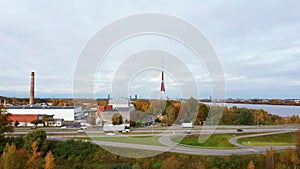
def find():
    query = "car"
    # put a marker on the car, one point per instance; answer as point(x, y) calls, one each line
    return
point(186, 132)
point(110, 134)
point(239, 130)
point(63, 127)
point(81, 130)
point(127, 129)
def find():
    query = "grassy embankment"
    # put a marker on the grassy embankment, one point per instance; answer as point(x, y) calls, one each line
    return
point(284, 139)
point(214, 141)
point(146, 140)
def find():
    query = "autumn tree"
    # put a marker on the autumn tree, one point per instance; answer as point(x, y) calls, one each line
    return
point(171, 115)
point(202, 114)
point(8, 159)
point(49, 161)
point(102, 102)
point(61, 103)
point(117, 119)
point(35, 157)
point(188, 111)
point(170, 162)
point(297, 137)
point(158, 107)
point(5, 123)
point(251, 165)
point(270, 161)
point(55, 102)
point(192, 108)
point(142, 105)
point(294, 160)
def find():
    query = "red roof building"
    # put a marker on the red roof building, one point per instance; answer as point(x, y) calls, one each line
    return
point(23, 117)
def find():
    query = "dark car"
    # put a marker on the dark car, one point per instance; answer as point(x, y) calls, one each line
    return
point(186, 132)
point(239, 130)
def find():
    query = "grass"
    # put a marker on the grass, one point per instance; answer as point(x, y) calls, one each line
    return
point(283, 139)
point(146, 140)
point(214, 141)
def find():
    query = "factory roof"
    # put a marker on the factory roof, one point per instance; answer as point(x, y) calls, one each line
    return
point(23, 117)
point(39, 107)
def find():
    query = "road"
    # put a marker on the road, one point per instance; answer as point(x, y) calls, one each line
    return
point(170, 146)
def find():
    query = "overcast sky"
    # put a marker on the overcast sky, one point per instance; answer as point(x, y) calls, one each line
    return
point(258, 43)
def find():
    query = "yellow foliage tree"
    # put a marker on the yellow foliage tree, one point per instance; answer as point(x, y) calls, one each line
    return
point(251, 165)
point(170, 162)
point(297, 139)
point(34, 161)
point(49, 164)
point(8, 158)
point(295, 160)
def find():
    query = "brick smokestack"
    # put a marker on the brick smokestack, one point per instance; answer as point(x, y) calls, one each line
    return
point(31, 99)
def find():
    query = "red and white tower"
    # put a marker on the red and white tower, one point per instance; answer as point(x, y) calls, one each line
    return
point(162, 85)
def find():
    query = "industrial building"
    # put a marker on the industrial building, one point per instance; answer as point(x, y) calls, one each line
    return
point(59, 114)
point(67, 113)
point(117, 105)
point(28, 120)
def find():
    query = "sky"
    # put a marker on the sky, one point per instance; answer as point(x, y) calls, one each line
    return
point(257, 42)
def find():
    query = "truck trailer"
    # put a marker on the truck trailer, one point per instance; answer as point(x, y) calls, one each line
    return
point(116, 128)
point(187, 125)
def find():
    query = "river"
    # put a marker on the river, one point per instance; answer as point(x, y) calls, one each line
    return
point(280, 110)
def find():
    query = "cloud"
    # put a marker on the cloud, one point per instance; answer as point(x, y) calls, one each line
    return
point(258, 45)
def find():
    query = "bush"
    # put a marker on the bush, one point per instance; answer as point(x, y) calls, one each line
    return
point(17, 141)
point(75, 150)
point(121, 166)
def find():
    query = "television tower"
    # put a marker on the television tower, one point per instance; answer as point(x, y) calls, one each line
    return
point(162, 85)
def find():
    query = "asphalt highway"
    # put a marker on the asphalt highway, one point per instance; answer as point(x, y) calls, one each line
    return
point(170, 146)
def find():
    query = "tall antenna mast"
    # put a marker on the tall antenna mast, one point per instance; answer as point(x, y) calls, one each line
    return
point(162, 85)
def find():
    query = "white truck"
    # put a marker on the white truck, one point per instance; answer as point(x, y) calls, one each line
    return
point(116, 128)
point(187, 125)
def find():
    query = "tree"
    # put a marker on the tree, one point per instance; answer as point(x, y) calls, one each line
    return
point(35, 157)
point(12, 158)
point(38, 136)
point(171, 114)
point(5, 123)
point(75, 150)
point(8, 158)
point(170, 162)
point(142, 105)
point(295, 160)
point(117, 119)
point(251, 165)
point(297, 137)
point(49, 164)
point(17, 123)
point(202, 114)
point(55, 102)
point(246, 117)
point(270, 162)
point(102, 102)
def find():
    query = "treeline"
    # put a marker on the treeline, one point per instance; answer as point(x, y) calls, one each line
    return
point(33, 151)
point(85, 103)
point(169, 112)
point(24, 101)
point(290, 102)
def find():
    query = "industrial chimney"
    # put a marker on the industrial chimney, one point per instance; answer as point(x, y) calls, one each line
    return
point(31, 99)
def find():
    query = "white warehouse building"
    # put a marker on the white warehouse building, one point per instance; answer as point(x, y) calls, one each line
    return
point(68, 113)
